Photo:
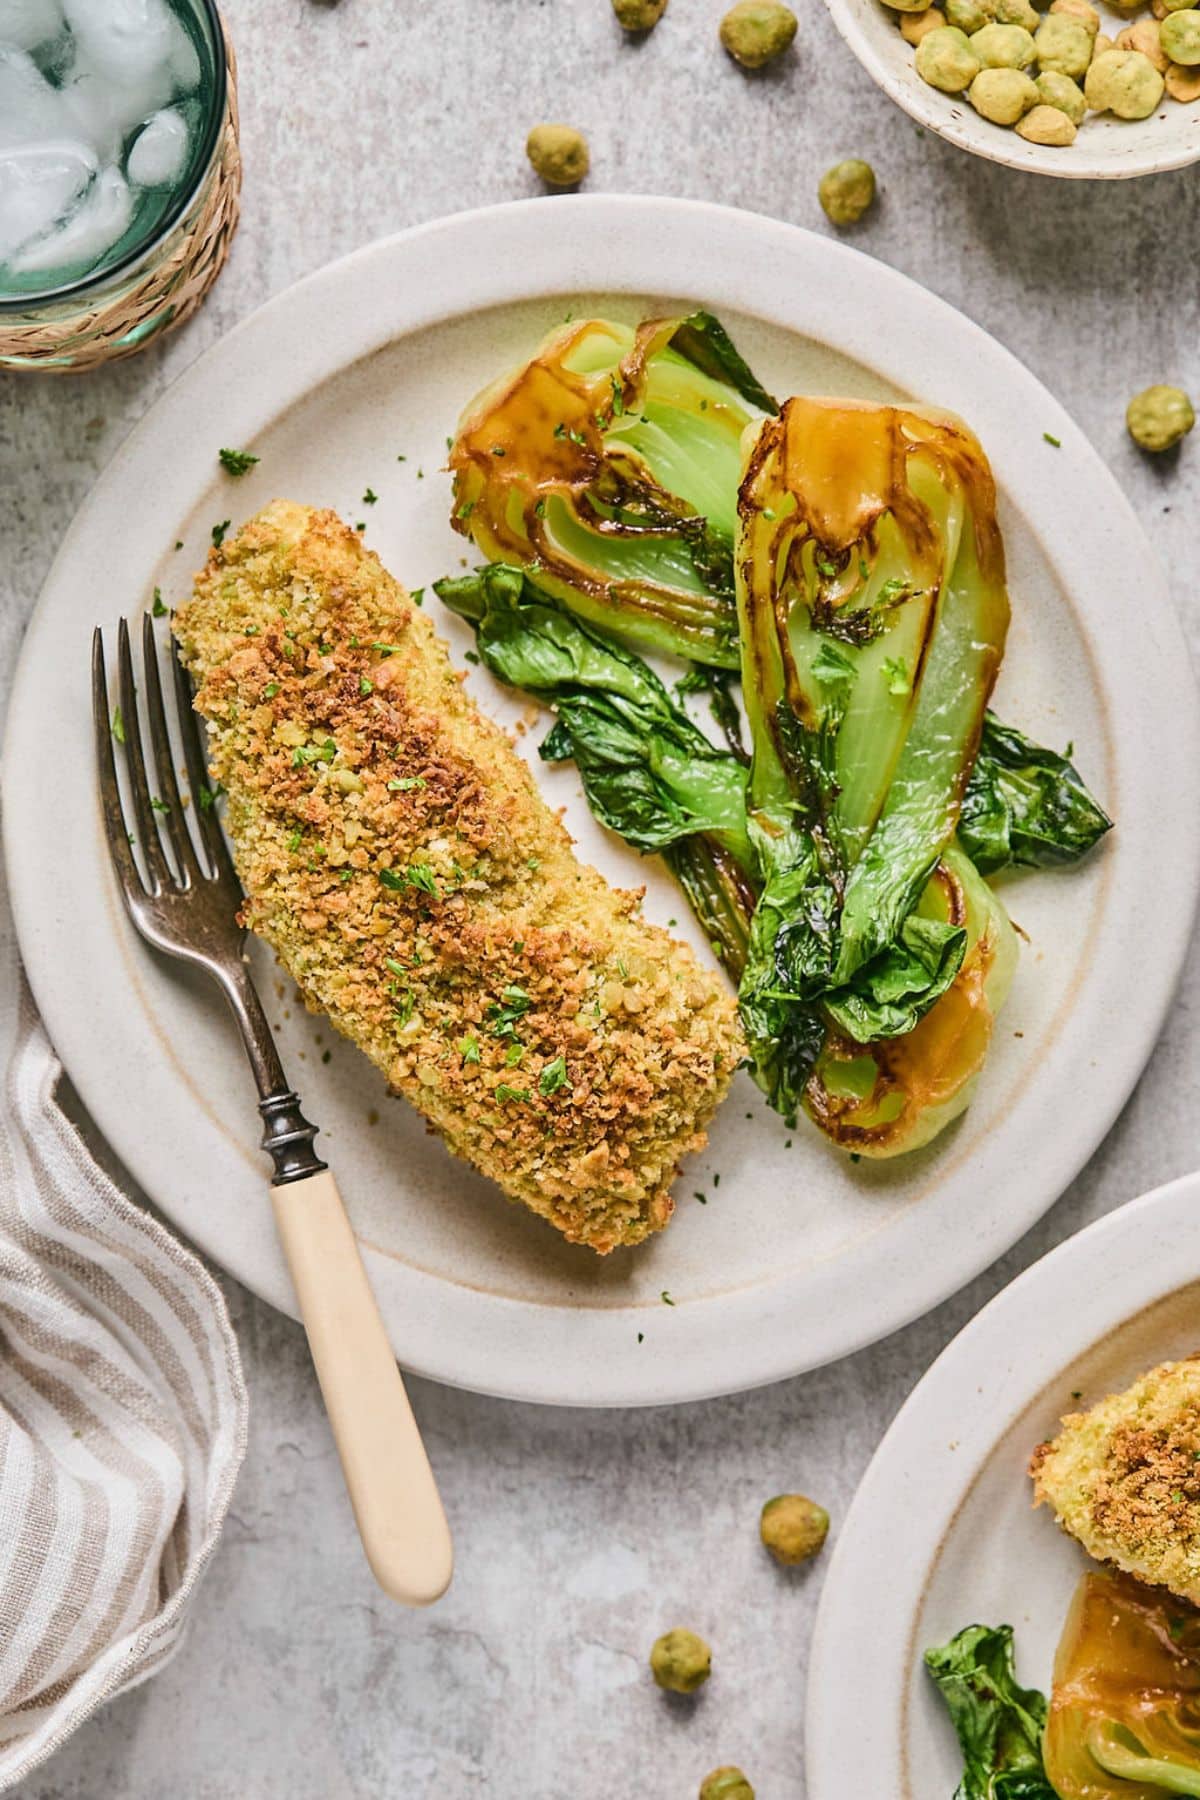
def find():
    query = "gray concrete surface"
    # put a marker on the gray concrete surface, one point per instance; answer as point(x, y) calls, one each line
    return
point(581, 1536)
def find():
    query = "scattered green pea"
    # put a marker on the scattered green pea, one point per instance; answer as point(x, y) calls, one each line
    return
point(1063, 46)
point(969, 15)
point(1159, 417)
point(1046, 125)
point(846, 191)
point(755, 32)
point(793, 1528)
point(639, 15)
point(680, 1661)
point(559, 154)
point(727, 1783)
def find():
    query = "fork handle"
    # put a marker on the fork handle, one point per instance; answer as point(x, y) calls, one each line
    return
point(392, 1490)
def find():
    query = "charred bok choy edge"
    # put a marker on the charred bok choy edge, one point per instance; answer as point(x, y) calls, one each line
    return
point(873, 613)
point(998, 1723)
point(608, 466)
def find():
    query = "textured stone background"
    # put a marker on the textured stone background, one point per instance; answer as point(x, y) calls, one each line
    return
point(581, 1536)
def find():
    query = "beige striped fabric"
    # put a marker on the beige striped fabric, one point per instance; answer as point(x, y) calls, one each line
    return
point(122, 1416)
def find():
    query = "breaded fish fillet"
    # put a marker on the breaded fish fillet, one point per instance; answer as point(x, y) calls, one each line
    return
point(396, 854)
point(1124, 1478)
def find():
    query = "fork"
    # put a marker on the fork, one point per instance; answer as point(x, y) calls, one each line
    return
point(186, 905)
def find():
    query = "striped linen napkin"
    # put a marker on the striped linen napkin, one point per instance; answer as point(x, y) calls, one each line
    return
point(122, 1413)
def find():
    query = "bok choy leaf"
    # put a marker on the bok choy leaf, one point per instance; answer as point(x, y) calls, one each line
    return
point(999, 1724)
point(608, 468)
point(1025, 805)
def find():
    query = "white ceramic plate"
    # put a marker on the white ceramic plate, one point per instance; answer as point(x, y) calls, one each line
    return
point(1106, 148)
point(799, 1256)
point(942, 1532)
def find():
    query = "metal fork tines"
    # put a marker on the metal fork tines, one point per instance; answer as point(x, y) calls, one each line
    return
point(183, 896)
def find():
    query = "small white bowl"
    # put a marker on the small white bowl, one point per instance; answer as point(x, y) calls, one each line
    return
point(1106, 149)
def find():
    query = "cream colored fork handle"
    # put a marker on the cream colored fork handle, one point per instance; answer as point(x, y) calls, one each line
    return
point(392, 1490)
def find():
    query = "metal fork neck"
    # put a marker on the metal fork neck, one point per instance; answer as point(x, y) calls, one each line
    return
point(287, 1134)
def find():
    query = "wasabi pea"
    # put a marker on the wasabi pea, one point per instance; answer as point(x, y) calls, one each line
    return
point(1087, 15)
point(945, 60)
point(1159, 417)
point(1003, 47)
point(1046, 125)
point(1123, 82)
point(1017, 12)
point(846, 191)
point(726, 1784)
point(1002, 95)
point(1058, 91)
point(1063, 45)
point(793, 1528)
point(639, 15)
point(1170, 6)
point(969, 15)
point(755, 32)
point(1182, 84)
point(559, 154)
point(915, 26)
point(1180, 36)
point(1101, 43)
point(1144, 36)
point(681, 1661)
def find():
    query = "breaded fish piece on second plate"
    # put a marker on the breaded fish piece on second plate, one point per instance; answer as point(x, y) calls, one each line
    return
point(396, 854)
point(1124, 1478)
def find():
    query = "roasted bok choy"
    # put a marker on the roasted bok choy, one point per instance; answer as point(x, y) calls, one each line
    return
point(1123, 1721)
point(847, 558)
point(609, 466)
point(999, 1724)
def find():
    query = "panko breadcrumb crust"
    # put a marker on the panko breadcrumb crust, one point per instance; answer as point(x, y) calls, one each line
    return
point(397, 856)
point(1124, 1478)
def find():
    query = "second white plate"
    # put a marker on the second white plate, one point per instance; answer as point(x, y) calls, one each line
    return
point(798, 1255)
point(942, 1532)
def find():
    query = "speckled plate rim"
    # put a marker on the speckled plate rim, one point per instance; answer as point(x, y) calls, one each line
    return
point(918, 1479)
point(951, 116)
point(556, 1353)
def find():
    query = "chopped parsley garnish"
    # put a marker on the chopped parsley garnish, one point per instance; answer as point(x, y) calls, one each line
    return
point(218, 533)
point(313, 753)
point(370, 497)
point(296, 839)
point(666, 1298)
point(418, 596)
point(1051, 439)
point(506, 1093)
point(618, 395)
point(534, 863)
point(471, 657)
point(361, 526)
point(825, 567)
point(513, 1055)
point(179, 543)
point(118, 725)
point(466, 509)
point(469, 1049)
point(403, 783)
point(702, 1198)
point(553, 1076)
point(207, 797)
point(387, 649)
point(539, 511)
point(159, 609)
point(365, 686)
point(417, 875)
point(641, 1334)
point(402, 459)
point(499, 450)
point(560, 430)
point(236, 462)
point(864, 568)
point(503, 1018)
point(160, 806)
point(270, 691)
point(405, 1006)
point(250, 631)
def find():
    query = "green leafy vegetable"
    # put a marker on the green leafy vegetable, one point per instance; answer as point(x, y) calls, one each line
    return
point(650, 774)
point(1025, 805)
point(608, 467)
point(999, 1724)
